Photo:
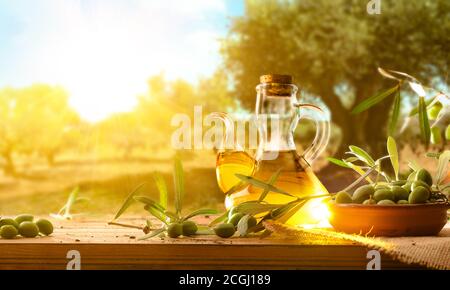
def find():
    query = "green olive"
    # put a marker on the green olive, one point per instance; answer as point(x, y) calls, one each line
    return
point(251, 222)
point(399, 193)
point(8, 232)
point(235, 218)
point(418, 183)
point(45, 227)
point(343, 197)
point(381, 186)
point(402, 201)
point(369, 202)
point(189, 228)
point(419, 195)
point(226, 230)
point(24, 218)
point(425, 176)
point(383, 194)
point(362, 193)
point(28, 229)
point(398, 183)
point(8, 221)
point(175, 230)
point(412, 176)
point(385, 202)
point(407, 186)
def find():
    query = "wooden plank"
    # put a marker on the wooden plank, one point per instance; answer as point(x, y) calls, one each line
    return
point(108, 247)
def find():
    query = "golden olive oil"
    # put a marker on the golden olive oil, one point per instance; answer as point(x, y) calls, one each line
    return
point(296, 177)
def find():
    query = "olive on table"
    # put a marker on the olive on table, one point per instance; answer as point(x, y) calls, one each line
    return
point(8, 232)
point(235, 218)
point(28, 229)
point(24, 218)
point(189, 228)
point(225, 230)
point(8, 221)
point(175, 230)
point(45, 227)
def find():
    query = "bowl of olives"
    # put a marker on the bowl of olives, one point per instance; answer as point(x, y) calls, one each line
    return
point(412, 207)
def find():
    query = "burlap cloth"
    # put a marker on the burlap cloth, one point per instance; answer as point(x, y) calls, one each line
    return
point(432, 252)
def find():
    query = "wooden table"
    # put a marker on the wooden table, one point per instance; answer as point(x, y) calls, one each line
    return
point(110, 247)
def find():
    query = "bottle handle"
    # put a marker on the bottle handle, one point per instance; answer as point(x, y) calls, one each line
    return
point(228, 140)
point(322, 122)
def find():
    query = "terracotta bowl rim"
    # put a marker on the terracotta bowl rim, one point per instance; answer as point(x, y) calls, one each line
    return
point(389, 206)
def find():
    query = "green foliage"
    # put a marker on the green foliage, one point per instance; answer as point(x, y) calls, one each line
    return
point(331, 45)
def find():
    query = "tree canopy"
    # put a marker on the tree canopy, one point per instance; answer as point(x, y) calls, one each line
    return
point(333, 49)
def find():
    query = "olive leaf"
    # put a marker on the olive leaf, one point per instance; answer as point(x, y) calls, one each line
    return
point(199, 212)
point(128, 201)
point(162, 188)
point(223, 217)
point(442, 170)
point(178, 185)
point(338, 162)
point(362, 155)
point(152, 234)
point(77, 201)
point(242, 226)
point(393, 154)
point(261, 184)
point(157, 213)
point(427, 103)
point(254, 207)
point(272, 180)
point(148, 201)
point(424, 122)
point(370, 102)
point(71, 200)
point(395, 114)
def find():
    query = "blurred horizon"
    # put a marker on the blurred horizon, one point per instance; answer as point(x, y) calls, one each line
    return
point(104, 52)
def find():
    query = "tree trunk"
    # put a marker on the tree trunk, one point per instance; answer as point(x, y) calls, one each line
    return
point(9, 168)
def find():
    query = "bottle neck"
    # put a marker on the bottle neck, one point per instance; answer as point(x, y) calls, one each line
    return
point(277, 117)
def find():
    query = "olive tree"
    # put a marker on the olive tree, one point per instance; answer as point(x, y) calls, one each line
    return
point(333, 49)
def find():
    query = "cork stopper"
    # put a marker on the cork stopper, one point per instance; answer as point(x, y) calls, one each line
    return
point(275, 78)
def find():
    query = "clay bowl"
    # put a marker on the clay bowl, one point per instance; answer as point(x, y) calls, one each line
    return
point(389, 220)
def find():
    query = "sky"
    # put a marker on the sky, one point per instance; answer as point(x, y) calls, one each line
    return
point(103, 51)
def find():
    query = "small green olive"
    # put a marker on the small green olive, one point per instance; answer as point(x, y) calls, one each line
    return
point(362, 193)
point(402, 201)
point(189, 228)
point(425, 176)
point(407, 186)
point(369, 202)
point(419, 195)
point(8, 232)
point(235, 218)
point(175, 230)
point(24, 218)
point(226, 230)
point(28, 229)
point(385, 202)
point(399, 183)
point(418, 183)
point(399, 193)
point(8, 221)
point(343, 197)
point(45, 227)
point(412, 176)
point(381, 186)
point(383, 194)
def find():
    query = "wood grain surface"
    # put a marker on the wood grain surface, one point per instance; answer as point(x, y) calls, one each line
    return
point(103, 246)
